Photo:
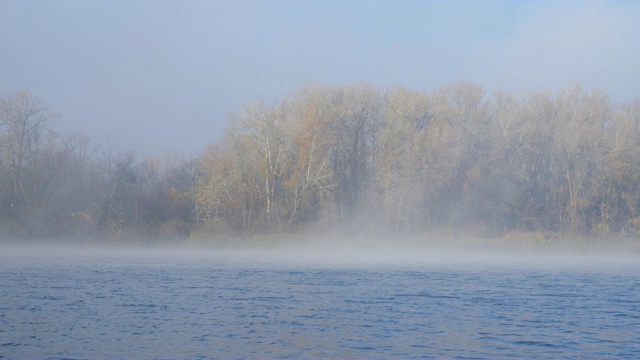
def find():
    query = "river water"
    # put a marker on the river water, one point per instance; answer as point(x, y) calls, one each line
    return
point(121, 305)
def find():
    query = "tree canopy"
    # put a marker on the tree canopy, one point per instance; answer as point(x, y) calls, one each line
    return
point(340, 158)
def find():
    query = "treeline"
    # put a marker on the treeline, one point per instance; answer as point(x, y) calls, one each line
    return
point(54, 185)
point(345, 158)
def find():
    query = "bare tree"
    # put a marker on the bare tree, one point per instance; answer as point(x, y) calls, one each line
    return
point(357, 115)
point(25, 121)
point(309, 179)
point(401, 159)
point(260, 130)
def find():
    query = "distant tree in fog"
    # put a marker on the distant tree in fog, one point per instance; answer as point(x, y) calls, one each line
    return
point(261, 130)
point(618, 182)
point(309, 184)
point(24, 121)
point(355, 123)
point(402, 160)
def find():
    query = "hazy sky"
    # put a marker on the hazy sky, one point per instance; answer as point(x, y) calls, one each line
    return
point(161, 77)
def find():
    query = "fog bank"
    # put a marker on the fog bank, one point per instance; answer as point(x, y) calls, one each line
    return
point(331, 253)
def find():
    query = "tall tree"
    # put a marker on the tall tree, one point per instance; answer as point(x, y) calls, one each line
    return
point(260, 130)
point(356, 119)
point(309, 180)
point(25, 121)
point(402, 159)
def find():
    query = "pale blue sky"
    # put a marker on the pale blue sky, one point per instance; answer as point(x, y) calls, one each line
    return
point(161, 77)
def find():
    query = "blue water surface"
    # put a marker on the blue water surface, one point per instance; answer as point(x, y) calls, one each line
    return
point(215, 307)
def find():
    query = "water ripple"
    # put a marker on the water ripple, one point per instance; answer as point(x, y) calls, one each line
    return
point(113, 309)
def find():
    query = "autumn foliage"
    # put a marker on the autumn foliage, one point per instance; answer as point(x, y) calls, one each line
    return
point(341, 158)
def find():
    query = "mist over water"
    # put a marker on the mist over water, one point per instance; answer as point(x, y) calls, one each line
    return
point(337, 252)
point(316, 299)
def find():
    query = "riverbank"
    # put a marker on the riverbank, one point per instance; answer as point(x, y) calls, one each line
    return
point(520, 242)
